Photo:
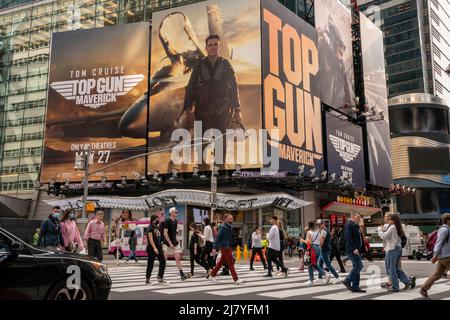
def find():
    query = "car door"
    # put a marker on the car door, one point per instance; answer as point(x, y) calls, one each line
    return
point(19, 278)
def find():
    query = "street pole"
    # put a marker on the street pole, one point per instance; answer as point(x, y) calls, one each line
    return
point(213, 181)
point(86, 180)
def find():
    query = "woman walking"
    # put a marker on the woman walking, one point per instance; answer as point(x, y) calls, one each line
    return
point(194, 247)
point(70, 233)
point(206, 260)
point(313, 243)
point(132, 242)
point(392, 239)
point(282, 243)
point(257, 248)
point(336, 239)
point(155, 251)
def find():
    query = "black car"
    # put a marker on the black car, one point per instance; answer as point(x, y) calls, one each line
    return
point(29, 273)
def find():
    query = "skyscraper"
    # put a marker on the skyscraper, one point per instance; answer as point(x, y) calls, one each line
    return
point(416, 34)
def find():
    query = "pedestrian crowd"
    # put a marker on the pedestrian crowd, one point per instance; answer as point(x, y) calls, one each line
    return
point(211, 247)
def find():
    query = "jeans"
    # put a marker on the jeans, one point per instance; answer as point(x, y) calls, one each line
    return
point(226, 255)
point(151, 262)
point(325, 258)
point(261, 257)
point(393, 270)
point(354, 276)
point(132, 255)
point(274, 256)
point(311, 267)
point(95, 249)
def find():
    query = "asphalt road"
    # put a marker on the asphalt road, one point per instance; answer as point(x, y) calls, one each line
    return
point(129, 284)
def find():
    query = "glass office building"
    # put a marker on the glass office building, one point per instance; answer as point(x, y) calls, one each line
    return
point(416, 44)
point(25, 33)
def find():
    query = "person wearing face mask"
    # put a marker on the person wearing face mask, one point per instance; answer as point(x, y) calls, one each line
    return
point(155, 251)
point(71, 234)
point(50, 236)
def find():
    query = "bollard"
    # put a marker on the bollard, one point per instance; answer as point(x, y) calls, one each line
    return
point(238, 253)
point(245, 252)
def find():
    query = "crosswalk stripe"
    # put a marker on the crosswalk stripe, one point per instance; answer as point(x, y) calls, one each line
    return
point(415, 294)
point(229, 284)
point(304, 290)
point(347, 295)
point(189, 286)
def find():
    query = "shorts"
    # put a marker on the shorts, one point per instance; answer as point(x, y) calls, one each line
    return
point(172, 251)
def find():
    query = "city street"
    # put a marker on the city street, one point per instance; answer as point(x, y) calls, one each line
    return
point(128, 284)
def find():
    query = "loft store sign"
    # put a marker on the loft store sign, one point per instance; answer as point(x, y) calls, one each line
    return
point(230, 202)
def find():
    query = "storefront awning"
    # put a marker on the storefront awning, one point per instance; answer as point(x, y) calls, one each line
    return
point(346, 208)
point(172, 197)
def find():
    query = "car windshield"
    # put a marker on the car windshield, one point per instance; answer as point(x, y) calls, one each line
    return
point(375, 239)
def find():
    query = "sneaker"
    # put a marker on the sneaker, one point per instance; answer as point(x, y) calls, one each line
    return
point(213, 279)
point(320, 281)
point(239, 281)
point(347, 285)
point(162, 281)
point(393, 290)
point(359, 290)
point(286, 273)
point(327, 278)
point(413, 282)
point(184, 277)
point(337, 280)
point(309, 283)
point(424, 293)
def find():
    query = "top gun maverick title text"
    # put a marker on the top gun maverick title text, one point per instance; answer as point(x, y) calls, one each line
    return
point(291, 104)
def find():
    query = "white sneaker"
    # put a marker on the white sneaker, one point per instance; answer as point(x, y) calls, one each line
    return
point(327, 278)
point(213, 279)
point(337, 280)
point(239, 281)
point(309, 283)
point(320, 281)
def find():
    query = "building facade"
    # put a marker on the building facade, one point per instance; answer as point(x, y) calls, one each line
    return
point(420, 139)
point(25, 33)
point(416, 34)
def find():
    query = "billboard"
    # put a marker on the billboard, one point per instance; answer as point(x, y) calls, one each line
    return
point(202, 89)
point(292, 102)
point(97, 86)
point(334, 27)
point(345, 150)
point(378, 133)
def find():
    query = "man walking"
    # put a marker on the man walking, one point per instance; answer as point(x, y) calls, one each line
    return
point(273, 252)
point(441, 255)
point(353, 243)
point(224, 242)
point(94, 235)
point(171, 245)
point(325, 248)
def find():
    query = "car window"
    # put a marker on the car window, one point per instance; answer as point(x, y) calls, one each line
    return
point(4, 245)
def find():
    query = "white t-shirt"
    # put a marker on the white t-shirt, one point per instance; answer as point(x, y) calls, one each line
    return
point(316, 235)
point(208, 234)
point(274, 238)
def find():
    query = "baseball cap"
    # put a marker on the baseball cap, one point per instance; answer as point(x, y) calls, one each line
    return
point(173, 209)
point(320, 221)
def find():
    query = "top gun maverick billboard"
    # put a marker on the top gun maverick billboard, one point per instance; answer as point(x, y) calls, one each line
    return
point(98, 78)
point(262, 71)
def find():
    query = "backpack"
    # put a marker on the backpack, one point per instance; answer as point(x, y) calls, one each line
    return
point(432, 240)
point(310, 256)
point(404, 240)
point(162, 239)
point(327, 242)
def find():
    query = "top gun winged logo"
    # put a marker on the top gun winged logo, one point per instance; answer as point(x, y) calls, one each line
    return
point(348, 151)
point(94, 93)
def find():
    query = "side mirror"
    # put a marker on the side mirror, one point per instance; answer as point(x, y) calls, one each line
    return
point(16, 247)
